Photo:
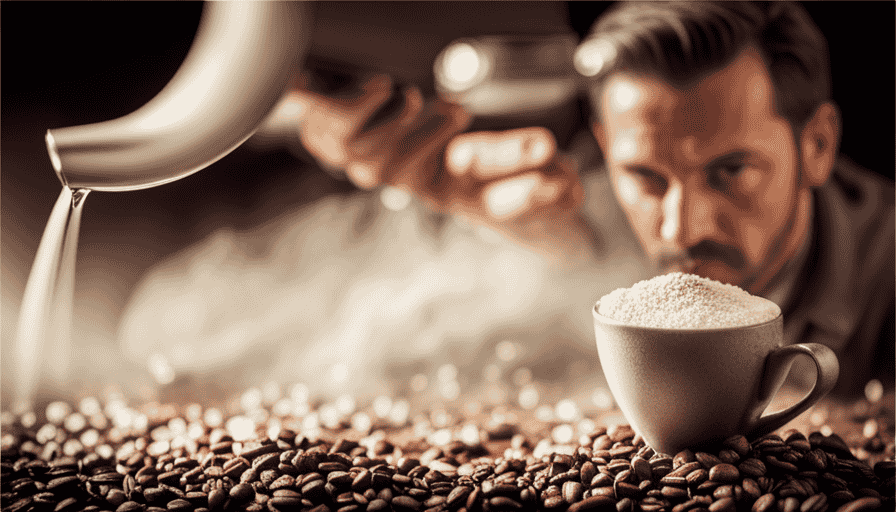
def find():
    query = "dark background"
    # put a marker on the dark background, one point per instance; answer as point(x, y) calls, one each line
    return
point(73, 63)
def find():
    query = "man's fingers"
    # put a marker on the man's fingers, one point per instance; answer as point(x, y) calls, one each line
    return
point(417, 155)
point(557, 189)
point(330, 122)
point(356, 105)
point(365, 145)
point(490, 155)
point(398, 151)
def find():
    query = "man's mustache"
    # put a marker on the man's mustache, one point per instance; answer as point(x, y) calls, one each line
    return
point(707, 250)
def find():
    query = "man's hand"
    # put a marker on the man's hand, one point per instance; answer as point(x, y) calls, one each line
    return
point(512, 181)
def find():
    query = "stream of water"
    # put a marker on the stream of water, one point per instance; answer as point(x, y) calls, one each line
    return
point(44, 331)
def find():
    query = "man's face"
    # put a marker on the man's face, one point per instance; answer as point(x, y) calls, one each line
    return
point(707, 175)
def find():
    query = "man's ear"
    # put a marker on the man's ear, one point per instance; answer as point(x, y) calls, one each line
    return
point(820, 144)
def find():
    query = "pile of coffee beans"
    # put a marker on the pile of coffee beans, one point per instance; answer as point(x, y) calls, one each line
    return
point(177, 462)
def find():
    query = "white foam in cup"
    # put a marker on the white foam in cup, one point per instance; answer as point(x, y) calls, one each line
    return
point(692, 361)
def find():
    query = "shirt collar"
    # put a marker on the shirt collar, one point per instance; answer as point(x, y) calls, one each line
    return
point(823, 294)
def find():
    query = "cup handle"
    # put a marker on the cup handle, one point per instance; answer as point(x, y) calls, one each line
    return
point(776, 368)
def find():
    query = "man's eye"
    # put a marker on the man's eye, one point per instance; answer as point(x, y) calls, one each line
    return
point(650, 180)
point(723, 176)
point(732, 170)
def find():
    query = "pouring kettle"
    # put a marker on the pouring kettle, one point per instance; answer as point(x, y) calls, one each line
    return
point(240, 64)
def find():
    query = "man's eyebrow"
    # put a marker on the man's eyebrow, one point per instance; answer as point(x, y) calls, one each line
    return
point(733, 156)
point(637, 168)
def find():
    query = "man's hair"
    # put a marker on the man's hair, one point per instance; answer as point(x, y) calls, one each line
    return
point(681, 42)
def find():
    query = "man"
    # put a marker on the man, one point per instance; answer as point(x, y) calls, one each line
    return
point(721, 146)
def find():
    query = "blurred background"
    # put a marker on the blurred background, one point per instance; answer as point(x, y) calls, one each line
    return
point(266, 268)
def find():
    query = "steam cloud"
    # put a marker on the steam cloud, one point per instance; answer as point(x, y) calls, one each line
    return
point(355, 294)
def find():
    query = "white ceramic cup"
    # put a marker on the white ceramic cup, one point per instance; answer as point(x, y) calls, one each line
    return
point(686, 388)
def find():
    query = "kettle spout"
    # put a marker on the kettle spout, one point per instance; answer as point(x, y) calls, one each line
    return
point(240, 64)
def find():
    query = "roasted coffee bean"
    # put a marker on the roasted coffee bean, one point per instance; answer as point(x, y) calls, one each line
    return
point(775, 463)
point(739, 444)
point(697, 477)
point(626, 490)
point(587, 472)
point(751, 489)
point(617, 465)
point(263, 449)
point(385, 494)
point(457, 496)
point(722, 505)
point(345, 498)
point(248, 476)
point(684, 469)
point(625, 505)
point(674, 493)
point(768, 440)
point(706, 487)
point(677, 481)
point(66, 505)
point(62, 484)
point(623, 476)
point(814, 503)
point(724, 473)
point(621, 432)
point(151, 494)
point(554, 502)
point(339, 478)
point(377, 505)
point(503, 490)
point(266, 478)
point(402, 479)
point(683, 457)
point(708, 460)
point(265, 462)
point(418, 494)
point(622, 452)
point(242, 493)
point(729, 457)
point(179, 505)
point(764, 503)
point(503, 503)
point(861, 504)
point(641, 468)
point(833, 481)
point(816, 460)
point(831, 444)
point(216, 499)
point(326, 467)
point(170, 477)
point(601, 480)
point(405, 503)
point(129, 506)
point(106, 478)
point(789, 504)
point(723, 491)
point(842, 495)
point(282, 482)
point(572, 491)
point(752, 467)
point(222, 447)
point(593, 503)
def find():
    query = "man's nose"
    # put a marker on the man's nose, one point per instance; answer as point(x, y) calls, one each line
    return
point(687, 216)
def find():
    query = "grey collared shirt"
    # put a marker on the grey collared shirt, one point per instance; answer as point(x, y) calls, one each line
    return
point(844, 296)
